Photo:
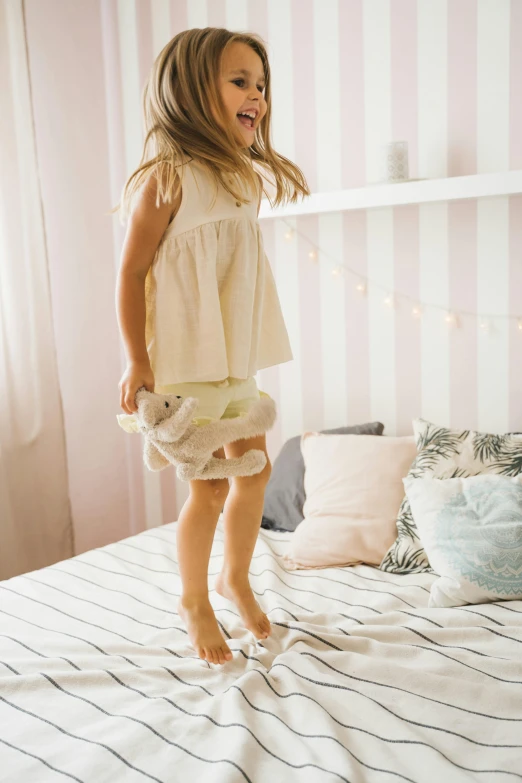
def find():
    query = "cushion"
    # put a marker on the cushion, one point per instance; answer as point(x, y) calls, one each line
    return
point(285, 495)
point(471, 530)
point(445, 454)
point(353, 486)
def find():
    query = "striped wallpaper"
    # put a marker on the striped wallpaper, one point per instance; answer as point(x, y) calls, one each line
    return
point(348, 76)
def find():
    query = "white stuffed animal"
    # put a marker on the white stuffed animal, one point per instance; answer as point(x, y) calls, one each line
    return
point(171, 437)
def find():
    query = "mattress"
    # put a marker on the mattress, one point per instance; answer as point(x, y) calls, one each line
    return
point(359, 680)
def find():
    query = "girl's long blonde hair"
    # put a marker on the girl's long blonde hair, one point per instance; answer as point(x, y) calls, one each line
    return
point(180, 99)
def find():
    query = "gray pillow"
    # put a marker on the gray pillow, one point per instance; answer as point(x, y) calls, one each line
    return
point(285, 494)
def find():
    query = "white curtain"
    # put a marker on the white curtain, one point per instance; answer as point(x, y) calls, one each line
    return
point(35, 517)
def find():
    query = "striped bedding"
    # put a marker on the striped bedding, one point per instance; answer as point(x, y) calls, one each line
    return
point(359, 681)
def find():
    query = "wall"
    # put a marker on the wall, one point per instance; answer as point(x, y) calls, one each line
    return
point(348, 76)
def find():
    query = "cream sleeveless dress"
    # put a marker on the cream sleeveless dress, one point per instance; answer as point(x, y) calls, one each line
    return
point(212, 309)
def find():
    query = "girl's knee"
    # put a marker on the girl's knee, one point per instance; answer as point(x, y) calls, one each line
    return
point(256, 482)
point(212, 492)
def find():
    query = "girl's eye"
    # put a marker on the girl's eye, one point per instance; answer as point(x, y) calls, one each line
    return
point(238, 80)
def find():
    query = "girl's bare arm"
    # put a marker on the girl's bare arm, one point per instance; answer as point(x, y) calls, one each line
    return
point(147, 225)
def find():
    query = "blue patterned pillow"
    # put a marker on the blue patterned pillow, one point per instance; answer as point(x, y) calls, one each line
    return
point(471, 530)
point(447, 454)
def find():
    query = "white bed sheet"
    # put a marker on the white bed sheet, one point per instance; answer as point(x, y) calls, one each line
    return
point(359, 680)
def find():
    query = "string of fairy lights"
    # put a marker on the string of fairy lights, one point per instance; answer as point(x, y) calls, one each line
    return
point(394, 299)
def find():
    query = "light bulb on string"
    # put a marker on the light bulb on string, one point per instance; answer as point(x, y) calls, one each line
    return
point(484, 325)
point(337, 271)
point(416, 311)
point(361, 288)
point(451, 319)
point(519, 325)
point(313, 255)
point(289, 235)
point(389, 300)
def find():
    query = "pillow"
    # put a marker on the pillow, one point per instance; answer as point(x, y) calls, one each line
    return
point(285, 495)
point(471, 530)
point(446, 454)
point(353, 486)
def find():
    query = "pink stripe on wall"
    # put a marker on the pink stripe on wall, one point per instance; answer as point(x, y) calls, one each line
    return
point(356, 313)
point(304, 89)
point(403, 33)
point(462, 88)
point(515, 307)
point(178, 16)
point(310, 324)
point(270, 381)
point(462, 262)
point(144, 32)
point(216, 13)
point(407, 327)
point(258, 18)
point(515, 79)
point(351, 66)
point(134, 493)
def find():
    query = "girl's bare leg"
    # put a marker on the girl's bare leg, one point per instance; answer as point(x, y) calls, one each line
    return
point(194, 535)
point(241, 519)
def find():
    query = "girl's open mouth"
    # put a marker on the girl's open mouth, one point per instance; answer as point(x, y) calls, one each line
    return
point(247, 120)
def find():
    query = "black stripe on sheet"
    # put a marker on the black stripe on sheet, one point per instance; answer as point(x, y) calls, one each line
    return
point(162, 554)
point(411, 722)
point(396, 688)
point(125, 576)
point(8, 666)
point(78, 619)
point(467, 610)
point(388, 740)
point(502, 635)
point(168, 572)
point(43, 761)
point(455, 646)
point(76, 736)
point(129, 595)
point(501, 606)
point(349, 572)
point(456, 660)
point(94, 625)
point(72, 636)
point(185, 682)
point(223, 629)
point(113, 590)
point(330, 581)
point(309, 633)
point(48, 657)
point(106, 608)
point(191, 715)
point(348, 617)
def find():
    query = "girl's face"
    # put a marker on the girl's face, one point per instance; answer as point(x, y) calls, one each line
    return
point(241, 84)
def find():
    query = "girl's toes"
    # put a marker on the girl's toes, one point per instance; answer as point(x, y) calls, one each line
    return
point(227, 653)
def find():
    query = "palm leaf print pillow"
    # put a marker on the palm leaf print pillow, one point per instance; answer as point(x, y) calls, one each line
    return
point(445, 454)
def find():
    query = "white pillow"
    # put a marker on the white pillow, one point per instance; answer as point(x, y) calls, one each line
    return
point(353, 486)
point(471, 530)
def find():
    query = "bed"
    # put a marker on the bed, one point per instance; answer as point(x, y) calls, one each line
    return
point(359, 680)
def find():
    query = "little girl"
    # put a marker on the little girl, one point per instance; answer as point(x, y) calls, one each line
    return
point(196, 300)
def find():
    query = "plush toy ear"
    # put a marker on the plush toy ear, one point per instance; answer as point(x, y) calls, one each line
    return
point(148, 405)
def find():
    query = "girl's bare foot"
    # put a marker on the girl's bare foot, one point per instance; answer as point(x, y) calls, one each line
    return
point(203, 630)
point(251, 613)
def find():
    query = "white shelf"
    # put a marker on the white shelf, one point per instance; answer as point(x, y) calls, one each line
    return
point(390, 195)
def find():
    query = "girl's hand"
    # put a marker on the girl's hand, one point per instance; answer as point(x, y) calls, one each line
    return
point(134, 377)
